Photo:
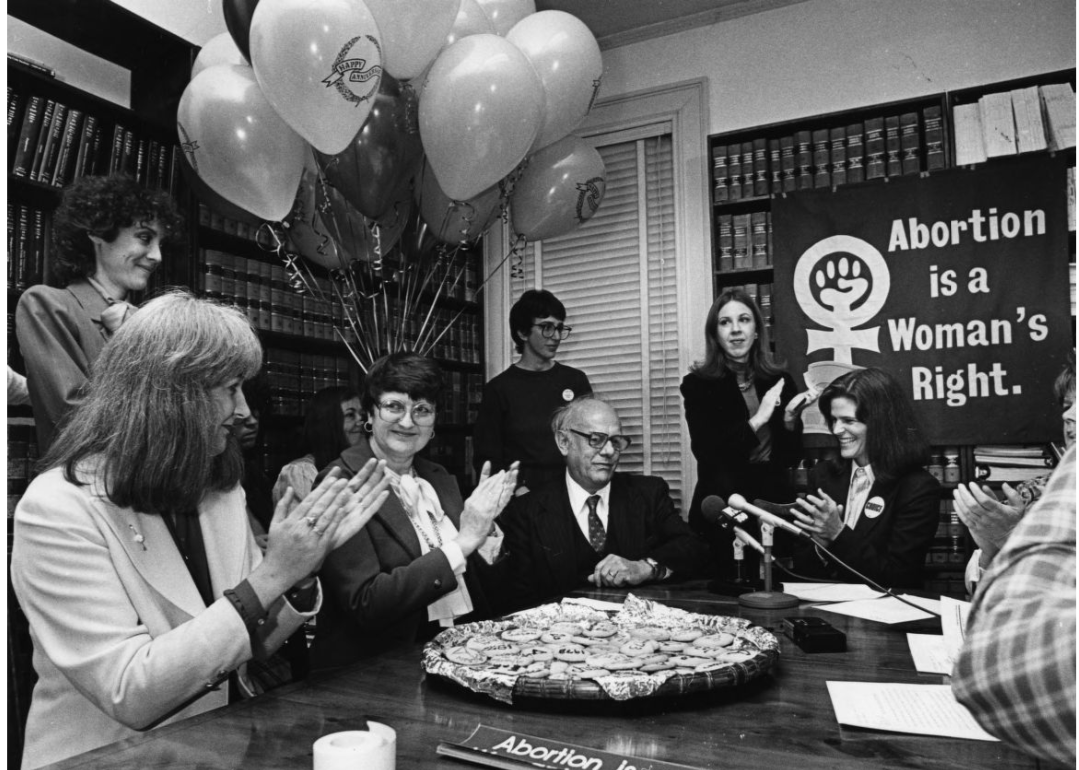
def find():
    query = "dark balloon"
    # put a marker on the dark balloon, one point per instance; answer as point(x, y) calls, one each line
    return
point(377, 167)
point(238, 15)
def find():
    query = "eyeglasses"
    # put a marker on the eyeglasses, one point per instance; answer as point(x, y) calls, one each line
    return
point(550, 330)
point(599, 440)
point(393, 411)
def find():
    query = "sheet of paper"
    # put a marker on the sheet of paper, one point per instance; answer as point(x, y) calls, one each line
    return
point(595, 604)
point(830, 592)
point(885, 610)
point(920, 709)
point(930, 653)
point(953, 622)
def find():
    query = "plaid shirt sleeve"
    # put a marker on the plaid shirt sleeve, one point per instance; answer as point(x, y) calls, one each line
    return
point(1016, 671)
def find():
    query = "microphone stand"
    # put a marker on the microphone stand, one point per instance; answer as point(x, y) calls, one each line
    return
point(741, 584)
point(768, 599)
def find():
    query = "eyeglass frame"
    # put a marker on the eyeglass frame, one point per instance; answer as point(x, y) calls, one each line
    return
point(410, 411)
point(595, 436)
point(548, 330)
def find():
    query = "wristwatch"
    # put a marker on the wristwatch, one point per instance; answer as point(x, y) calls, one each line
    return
point(659, 572)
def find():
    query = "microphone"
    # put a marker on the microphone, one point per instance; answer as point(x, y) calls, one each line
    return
point(739, 503)
point(714, 511)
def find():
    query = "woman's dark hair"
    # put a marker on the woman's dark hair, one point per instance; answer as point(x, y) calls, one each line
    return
point(533, 304)
point(102, 206)
point(411, 373)
point(323, 424)
point(895, 443)
point(1065, 381)
point(715, 365)
point(148, 426)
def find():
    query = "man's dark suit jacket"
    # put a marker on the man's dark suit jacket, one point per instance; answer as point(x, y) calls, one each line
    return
point(889, 548)
point(378, 584)
point(541, 530)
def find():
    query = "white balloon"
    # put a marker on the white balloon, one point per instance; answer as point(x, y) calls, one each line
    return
point(221, 49)
point(413, 32)
point(319, 62)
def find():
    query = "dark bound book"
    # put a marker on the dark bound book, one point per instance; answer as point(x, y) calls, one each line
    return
point(893, 158)
point(934, 138)
point(838, 138)
point(760, 167)
point(855, 153)
point(16, 102)
point(803, 158)
point(52, 146)
point(787, 163)
point(740, 231)
point(35, 261)
point(874, 148)
point(65, 160)
point(725, 241)
point(719, 173)
point(822, 175)
point(28, 133)
point(42, 139)
point(116, 151)
point(734, 172)
point(775, 167)
point(758, 238)
point(910, 141)
point(22, 243)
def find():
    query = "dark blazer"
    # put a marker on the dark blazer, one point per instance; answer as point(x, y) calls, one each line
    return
point(376, 587)
point(889, 548)
point(722, 441)
point(60, 336)
point(540, 529)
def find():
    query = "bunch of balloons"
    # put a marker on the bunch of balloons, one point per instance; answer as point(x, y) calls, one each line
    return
point(356, 121)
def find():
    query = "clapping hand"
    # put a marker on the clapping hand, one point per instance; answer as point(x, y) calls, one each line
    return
point(989, 520)
point(798, 404)
point(769, 403)
point(820, 516)
point(491, 495)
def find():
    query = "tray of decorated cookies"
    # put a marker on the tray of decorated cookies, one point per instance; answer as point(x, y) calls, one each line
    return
point(574, 650)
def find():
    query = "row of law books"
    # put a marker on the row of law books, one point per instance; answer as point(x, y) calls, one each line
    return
point(762, 295)
point(744, 241)
point(1014, 122)
point(294, 377)
point(460, 404)
point(1014, 464)
point(218, 222)
point(28, 235)
point(950, 540)
point(54, 144)
point(892, 145)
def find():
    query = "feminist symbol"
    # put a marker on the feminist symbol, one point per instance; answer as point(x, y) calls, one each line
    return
point(842, 283)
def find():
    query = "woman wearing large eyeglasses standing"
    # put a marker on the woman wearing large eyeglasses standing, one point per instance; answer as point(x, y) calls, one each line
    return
point(744, 417)
point(514, 418)
point(425, 562)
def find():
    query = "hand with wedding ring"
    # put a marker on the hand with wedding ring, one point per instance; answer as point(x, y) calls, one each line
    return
point(302, 535)
point(820, 516)
point(617, 571)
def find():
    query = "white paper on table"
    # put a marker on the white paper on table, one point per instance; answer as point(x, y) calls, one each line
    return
point(830, 592)
point(953, 621)
point(885, 610)
point(595, 604)
point(921, 709)
point(929, 653)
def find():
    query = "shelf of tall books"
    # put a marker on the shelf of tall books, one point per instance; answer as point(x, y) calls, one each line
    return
point(867, 147)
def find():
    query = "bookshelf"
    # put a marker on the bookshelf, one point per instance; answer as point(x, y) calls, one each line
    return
point(866, 147)
point(85, 135)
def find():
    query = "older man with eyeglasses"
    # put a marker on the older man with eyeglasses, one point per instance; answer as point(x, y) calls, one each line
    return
point(594, 525)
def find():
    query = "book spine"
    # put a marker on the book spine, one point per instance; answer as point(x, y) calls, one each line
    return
point(127, 156)
point(910, 143)
point(72, 126)
point(117, 151)
point(141, 168)
point(95, 162)
point(803, 154)
point(874, 148)
point(855, 153)
point(934, 138)
point(838, 140)
point(775, 167)
point(16, 101)
point(787, 163)
point(27, 143)
point(740, 252)
point(719, 173)
point(822, 176)
point(52, 148)
point(42, 139)
point(36, 259)
point(734, 172)
point(760, 167)
point(22, 241)
point(893, 150)
point(725, 239)
point(759, 238)
point(11, 261)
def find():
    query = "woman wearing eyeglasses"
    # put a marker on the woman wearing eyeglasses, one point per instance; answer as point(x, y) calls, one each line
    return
point(514, 418)
point(426, 562)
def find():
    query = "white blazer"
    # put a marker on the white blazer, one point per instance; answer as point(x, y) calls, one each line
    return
point(122, 639)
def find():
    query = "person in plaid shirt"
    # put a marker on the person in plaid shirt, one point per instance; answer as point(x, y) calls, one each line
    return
point(1016, 671)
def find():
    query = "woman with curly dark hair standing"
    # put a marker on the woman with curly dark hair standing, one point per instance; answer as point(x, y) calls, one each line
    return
point(108, 235)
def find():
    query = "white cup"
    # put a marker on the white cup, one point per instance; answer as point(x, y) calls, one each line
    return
point(371, 749)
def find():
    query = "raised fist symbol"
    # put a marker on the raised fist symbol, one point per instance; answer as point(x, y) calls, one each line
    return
point(841, 282)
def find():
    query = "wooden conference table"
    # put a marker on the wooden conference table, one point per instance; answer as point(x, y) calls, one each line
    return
point(782, 720)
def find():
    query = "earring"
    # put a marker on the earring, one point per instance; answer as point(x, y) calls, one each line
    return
point(368, 427)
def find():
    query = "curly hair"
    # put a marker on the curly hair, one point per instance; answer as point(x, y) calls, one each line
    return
point(715, 366)
point(894, 439)
point(147, 426)
point(404, 372)
point(102, 206)
point(533, 304)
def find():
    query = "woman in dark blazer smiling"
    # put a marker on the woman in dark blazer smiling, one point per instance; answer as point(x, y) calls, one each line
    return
point(875, 507)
